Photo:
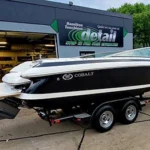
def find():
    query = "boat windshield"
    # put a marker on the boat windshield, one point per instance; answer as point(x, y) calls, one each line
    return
point(141, 52)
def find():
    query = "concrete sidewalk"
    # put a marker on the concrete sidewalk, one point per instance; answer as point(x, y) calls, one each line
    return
point(132, 137)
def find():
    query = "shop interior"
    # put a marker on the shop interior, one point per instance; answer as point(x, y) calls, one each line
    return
point(18, 47)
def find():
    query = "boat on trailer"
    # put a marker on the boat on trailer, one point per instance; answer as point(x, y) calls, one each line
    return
point(67, 82)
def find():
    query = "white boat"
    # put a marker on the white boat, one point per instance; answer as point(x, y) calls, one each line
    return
point(65, 82)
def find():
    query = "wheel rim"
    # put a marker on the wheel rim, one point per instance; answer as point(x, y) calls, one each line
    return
point(131, 112)
point(106, 119)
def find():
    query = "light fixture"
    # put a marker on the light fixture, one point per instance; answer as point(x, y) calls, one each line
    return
point(70, 3)
point(49, 45)
point(2, 46)
point(1, 43)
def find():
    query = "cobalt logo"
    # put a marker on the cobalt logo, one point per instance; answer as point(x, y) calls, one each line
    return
point(67, 76)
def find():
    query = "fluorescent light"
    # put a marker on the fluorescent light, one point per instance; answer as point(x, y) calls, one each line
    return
point(2, 46)
point(49, 45)
point(3, 42)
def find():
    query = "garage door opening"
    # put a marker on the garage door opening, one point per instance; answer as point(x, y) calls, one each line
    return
point(18, 47)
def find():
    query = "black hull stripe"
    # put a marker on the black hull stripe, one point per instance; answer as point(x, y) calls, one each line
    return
point(91, 80)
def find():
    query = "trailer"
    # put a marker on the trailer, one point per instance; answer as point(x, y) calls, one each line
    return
point(101, 116)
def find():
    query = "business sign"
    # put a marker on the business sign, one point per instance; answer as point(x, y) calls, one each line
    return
point(82, 34)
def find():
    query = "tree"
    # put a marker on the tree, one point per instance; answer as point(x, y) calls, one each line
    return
point(141, 22)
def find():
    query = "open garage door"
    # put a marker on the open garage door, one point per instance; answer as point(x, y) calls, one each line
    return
point(18, 47)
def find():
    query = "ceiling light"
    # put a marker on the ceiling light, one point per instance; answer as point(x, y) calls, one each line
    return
point(2, 46)
point(49, 45)
point(3, 42)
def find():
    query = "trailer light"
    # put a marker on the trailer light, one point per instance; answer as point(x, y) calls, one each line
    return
point(79, 119)
point(147, 101)
point(51, 121)
point(57, 121)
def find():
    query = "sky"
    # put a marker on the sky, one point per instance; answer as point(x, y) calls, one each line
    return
point(101, 4)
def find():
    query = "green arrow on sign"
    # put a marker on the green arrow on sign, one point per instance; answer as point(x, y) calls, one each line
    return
point(125, 32)
point(54, 25)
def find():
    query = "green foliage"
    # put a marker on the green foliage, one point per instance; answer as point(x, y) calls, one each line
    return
point(141, 22)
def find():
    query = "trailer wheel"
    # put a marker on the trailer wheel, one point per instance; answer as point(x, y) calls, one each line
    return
point(129, 112)
point(104, 119)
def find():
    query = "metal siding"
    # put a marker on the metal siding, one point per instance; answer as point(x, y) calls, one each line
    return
point(128, 25)
point(88, 17)
point(66, 51)
point(26, 13)
point(74, 7)
point(128, 41)
point(41, 12)
point(23, 27)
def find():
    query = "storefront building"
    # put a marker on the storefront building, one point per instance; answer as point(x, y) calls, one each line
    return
point(29, 28)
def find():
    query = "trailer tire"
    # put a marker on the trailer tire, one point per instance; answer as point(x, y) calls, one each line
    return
point(129, 112)
point(104, 119)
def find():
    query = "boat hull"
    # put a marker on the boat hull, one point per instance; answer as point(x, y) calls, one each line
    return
point(92, 80)
point(87, 86)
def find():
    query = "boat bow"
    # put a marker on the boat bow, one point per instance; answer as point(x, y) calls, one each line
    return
point(8, 91)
